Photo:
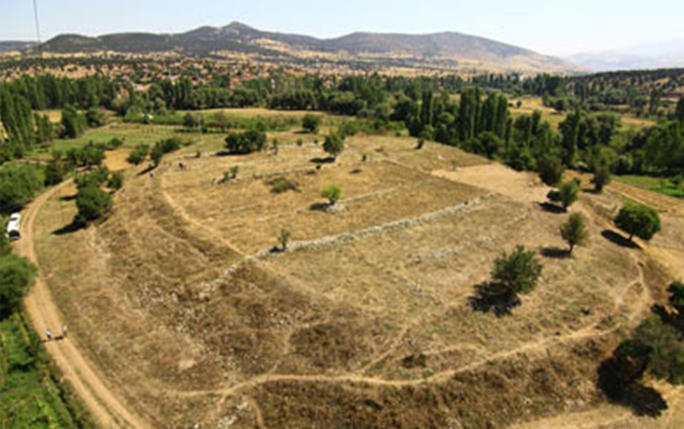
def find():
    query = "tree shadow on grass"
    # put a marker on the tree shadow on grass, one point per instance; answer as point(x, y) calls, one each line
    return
point(619, 239)
point(492, 297)
point(323, 207)
point(67, 198)
point(555, 253)
point(551, 208)
point(146, 170)
point(67, 229)
point(319, 160)
point(643, 400)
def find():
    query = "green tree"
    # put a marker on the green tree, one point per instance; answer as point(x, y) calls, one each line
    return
point(72, 122)
point(517, 272)
point(575, 231)
point(334, 145)
point(156, 155)
point(679, 111)
point(601, 178)
point(16, 275)
point(54, 173)
point(333, 193)
point(550, 169)
point(92, 204)
point(639, 220)
point(311, 123)
point(569, 194)
point(676, 290)
point(246, 142)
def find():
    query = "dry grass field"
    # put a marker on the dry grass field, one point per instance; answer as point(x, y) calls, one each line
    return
point(367, 319)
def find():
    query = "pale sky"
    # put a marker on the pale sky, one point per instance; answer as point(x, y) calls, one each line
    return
point(548, 26)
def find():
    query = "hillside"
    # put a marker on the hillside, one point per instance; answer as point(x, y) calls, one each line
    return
point(14, 45)
point(439, 51)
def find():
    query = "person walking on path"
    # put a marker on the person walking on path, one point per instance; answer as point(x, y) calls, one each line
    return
point(48, 335)
point(65, 332)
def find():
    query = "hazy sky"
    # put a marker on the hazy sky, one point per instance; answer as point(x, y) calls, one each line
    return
point(548, 26)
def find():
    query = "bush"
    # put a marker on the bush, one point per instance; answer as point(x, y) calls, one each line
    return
point(95, 117)
point(16, 275)
point(639, 220)
point(517, 272)
point(334, 145)
point(86, 156)
point(94, 178)
point(333, 193)
point(575, 231)
point(551, 170)
point(246, 142)
point(138, 155)
point(92, 204)
point(311, 123)
point(115, 181)
point(280, 185)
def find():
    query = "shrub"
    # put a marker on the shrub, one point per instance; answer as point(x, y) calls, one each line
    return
point(280, 185)
point(550, 169)
point(333, 193)
point(575, 231)
point(92, 204)
point(16, 275)
point(284, 239)
point(311, 123)
point(246, 142)
point(115, 181)
point(94, 178)
point(334, 145)
point(517, 272)
point(639, 220)
point(138, 155)
point(95, 117)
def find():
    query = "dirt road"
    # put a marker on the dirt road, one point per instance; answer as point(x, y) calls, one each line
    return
point(106, 408)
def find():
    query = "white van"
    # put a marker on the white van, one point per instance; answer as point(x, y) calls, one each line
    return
point(13, 227)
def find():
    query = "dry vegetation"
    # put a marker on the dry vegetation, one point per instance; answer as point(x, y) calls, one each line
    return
point(366, 321)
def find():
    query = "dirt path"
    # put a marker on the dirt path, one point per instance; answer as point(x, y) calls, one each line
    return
point(107, 409)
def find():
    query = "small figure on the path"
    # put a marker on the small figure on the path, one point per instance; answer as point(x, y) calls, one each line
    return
point(48, 335)
point(65, 332)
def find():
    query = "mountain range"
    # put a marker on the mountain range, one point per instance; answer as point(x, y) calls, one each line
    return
point(667, 54)
point(439, 51)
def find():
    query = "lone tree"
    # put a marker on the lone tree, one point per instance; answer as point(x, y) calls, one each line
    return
point(517, 272)
point(92, 203)
point(575, 231)
point(550, 169)
point(566, 195)
point(639, 220)
point(601, 178)
point(333, 193)
point(284, 239)
point(334, 145)
point(311, 123)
